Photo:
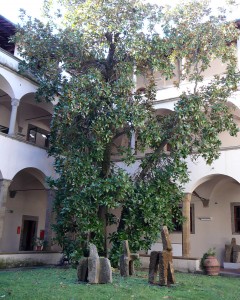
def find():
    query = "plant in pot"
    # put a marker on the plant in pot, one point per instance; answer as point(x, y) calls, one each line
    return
point(39, 243)
point(209, 263)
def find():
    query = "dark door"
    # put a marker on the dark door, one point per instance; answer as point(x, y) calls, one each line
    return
point(28, 235)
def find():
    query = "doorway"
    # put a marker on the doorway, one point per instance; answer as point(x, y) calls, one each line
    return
point(28, 233)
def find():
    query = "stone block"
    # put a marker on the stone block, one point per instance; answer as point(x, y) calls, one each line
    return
point(82, 269)
point(93, 251)
point(105, 275)
point(236, 254)
point(153, 266)
point(228, 253)
point(127, 260)
point(171, 275)
point(124, 265)
point(166, 239)
point(93, 269)
point(162, 261)
point(166, 271)
point(126, 250)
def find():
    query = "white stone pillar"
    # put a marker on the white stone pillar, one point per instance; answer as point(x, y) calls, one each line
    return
point(238, 53)
point(4, 185)
point(133, 134)
point(49, 219)
point(14, 103)
point(132, 141)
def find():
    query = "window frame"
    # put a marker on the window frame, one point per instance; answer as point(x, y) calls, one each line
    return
point(233, 217)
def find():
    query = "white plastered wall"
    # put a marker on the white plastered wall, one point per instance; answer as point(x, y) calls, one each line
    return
point(4, 116)
point(217, 232)
point(26, 202)
point(32, 203)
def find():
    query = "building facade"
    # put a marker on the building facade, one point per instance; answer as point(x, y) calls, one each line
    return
point(212, 200)
point(25, 197)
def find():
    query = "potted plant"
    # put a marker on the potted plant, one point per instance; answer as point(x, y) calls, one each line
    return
point(209, 263)
point(39, 243)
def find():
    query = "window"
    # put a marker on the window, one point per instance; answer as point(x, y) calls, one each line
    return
point(38, 136)
point(178, 227)
point(3, 129)
point(235, 217)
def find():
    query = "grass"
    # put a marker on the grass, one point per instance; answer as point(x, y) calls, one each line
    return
point(57, 283)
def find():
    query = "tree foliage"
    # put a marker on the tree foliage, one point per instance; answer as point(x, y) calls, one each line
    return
point(88, 59)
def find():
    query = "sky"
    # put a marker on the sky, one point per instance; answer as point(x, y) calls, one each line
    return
point(10, 8)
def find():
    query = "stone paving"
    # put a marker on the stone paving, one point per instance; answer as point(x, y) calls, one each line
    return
point(230, 272)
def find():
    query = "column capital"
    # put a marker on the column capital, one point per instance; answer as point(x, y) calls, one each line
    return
point(5, 183)
point(15, 102)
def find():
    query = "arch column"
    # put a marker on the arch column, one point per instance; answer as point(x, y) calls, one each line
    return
point(4, 185)
point(132, 142)
point(238, 53)
point(133, 134)
point(49, 219)
point(12, 123)
point(186, 225)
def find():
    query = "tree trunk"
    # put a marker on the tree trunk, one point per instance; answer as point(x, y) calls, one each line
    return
point(102, 211)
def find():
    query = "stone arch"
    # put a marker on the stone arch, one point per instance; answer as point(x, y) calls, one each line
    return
point(6, 87)
point(213, 178)
point(6, 93)
point(212, 198)
point(36, 173)
point(234, 109)
point(164, 104)
point(233, 101)
point(35, 116)
point(163, 111)
point(141, 90)
point(26, 208)
point(29, 98)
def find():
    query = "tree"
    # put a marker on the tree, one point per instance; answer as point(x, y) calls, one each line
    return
point(89, 62)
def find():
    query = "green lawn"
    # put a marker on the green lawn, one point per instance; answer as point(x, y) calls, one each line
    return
point(56, 283)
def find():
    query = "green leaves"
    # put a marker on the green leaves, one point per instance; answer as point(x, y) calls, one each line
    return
point(88, 60)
